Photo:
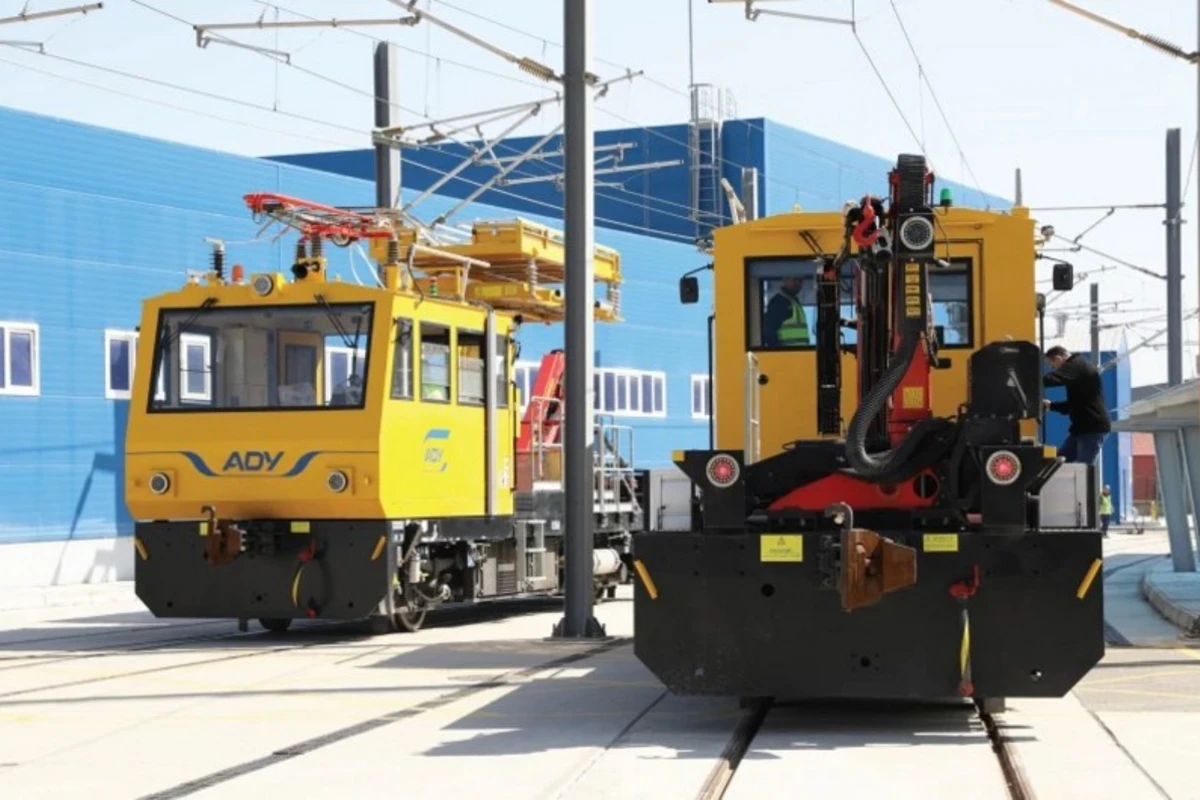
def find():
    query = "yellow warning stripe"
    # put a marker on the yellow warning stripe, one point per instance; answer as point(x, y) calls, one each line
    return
point(378, 548)
point(1086, 583)
point(964, 652)
point(141, 548)
point(296, 585)
point(644, 574)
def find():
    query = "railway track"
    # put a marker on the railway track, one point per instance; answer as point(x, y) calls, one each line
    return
point(724, 772)
point(724, 765)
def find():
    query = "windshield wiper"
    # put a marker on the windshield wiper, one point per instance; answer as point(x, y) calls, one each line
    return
point(165, 344)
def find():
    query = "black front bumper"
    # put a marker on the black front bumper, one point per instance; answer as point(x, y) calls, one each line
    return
point(726, 623)
point(326, 569)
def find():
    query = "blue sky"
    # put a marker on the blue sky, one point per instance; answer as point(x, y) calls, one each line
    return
point(1081, 109)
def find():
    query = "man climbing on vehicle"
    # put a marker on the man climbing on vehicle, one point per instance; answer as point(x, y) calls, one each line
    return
point(785, 324)
point(1090, 424)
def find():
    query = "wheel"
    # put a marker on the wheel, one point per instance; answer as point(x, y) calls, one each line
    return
point(400, 614)
point(276, 624)
point(410, 619)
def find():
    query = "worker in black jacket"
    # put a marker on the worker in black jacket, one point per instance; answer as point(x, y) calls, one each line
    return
point(1090, 424)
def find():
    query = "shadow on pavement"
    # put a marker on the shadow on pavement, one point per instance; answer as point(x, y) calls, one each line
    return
point(612, 701)
point(110, 632)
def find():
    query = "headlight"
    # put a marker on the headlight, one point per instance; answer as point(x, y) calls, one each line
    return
point(337, 481)
point(263, 284)
point(916, 233)
point(159, 483)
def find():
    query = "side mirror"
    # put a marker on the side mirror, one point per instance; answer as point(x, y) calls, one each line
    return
point(689, 289)
point(1064, 277)
point(1041, 302)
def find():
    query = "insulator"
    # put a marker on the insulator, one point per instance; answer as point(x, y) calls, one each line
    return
point(393, 251)
point(300, 252)
point(533, 272)
point(535, 69)
point(218, 260)
point(614, 297)
point(317, 247)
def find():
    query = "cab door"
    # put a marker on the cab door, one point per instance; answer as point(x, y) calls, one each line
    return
point(779, 360)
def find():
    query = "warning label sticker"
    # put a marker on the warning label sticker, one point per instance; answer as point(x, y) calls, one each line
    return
point(941, 543)
point(781, 547)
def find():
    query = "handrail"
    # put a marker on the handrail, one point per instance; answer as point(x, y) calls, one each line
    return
point(753, 410)
point(612, 455)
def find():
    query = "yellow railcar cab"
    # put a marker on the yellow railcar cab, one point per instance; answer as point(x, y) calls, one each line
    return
point(983, 295)
point(313, 399)
point(299, 446)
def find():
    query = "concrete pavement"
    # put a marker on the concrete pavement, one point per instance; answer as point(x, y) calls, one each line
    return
point(329, 712)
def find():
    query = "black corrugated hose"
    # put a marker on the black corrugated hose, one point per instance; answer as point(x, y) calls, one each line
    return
point(896, 460)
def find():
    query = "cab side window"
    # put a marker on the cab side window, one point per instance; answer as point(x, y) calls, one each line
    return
point(952, 307)
point(435, 363)
point(471, 368)
point(402, 366)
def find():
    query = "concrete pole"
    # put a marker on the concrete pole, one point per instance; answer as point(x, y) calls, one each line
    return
point(387, 160)
point(578, 458)
point(1174, 262)
point(1098, 473)
point(1095, 330)
point(750, 191)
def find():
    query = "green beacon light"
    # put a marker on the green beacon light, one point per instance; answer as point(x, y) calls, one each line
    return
point(946, 199)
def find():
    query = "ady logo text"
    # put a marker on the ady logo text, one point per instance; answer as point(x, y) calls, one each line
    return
point(435, 443)
point(252, 461)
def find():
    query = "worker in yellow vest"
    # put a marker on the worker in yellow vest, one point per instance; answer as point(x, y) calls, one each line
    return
point(785, 323)
point(1106, 510)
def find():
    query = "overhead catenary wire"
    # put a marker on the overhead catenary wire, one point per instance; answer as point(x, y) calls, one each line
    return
point(365, 93)
point(643, 76)
point(924, 76)
point(1078, 245)
point(617, 224)
point(647, 200)
point(501, 146)
point(602, 109)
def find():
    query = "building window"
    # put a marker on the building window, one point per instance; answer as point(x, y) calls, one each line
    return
point(524, 376)
point(195, 368)
point(19, 369)
point(700, 409)
point(120, 354)
point(471, 368)
point(341, 364)
point(402, 366)
point(631, 392)
point(435, 363)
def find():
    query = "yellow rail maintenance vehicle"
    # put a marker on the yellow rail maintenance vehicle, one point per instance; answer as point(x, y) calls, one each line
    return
point(312, 448)
point(878, 518)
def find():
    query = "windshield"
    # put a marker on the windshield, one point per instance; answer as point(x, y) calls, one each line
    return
point(211, 359)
